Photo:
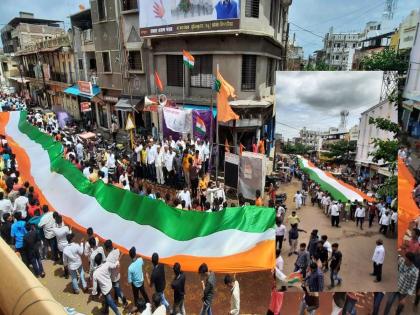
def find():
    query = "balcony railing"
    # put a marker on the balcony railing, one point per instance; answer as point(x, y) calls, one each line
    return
point(87, 36)
point(68, 77)
point(129, 5)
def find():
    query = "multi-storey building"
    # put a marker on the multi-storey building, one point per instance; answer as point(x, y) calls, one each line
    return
point(368, 132)
point(310, 138)
point(339, 49)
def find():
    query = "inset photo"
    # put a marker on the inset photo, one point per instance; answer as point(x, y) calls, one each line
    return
point(335, 159)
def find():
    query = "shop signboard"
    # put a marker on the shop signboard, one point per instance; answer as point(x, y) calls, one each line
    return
point(85, 87)
point(85, 107)
point(186, 16)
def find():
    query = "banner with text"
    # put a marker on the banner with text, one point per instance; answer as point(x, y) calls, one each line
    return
point(184, 16)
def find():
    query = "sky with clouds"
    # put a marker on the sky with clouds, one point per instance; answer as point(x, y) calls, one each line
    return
point(43, 9)
point(318, 15)
point(314, 99)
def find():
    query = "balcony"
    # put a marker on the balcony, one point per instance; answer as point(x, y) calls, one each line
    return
point(87, 36)
point(128, 6)
point(68, 77)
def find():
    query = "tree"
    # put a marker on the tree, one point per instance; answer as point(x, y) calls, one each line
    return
point(298, 148)
point(386, 60)
point(342, 151)
point(387, 151)
point(319, 66)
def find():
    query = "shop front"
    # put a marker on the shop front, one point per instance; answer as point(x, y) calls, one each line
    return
point(134, 105)
point(84, 94)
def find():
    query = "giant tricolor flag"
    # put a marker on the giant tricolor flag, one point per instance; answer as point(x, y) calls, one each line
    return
point(338, 189)
point(188, 59)
point(232, 240)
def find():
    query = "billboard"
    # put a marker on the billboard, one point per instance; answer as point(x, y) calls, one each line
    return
point(160, 17)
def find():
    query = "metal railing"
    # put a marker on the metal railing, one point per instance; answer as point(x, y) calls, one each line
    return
point(68, 77)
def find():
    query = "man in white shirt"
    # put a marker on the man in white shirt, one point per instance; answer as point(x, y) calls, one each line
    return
point(86, 171)
point(47, 223)
point(95, 249)
point(102, 278)
point(335, 214)
point(233, 286)
point(384, 222)
point(160, 309)
point(61, 231)
point(113, 256)
point(72, 258)
point(360, 215)
point(378, 260)
point(298, 200)
point(79, 151)
point(394, 222)
point(21, 202)
point(186, 196)
point(159, 165)
point(151, 153)
point(169, 166)
point(5, 205)
point(280, 233)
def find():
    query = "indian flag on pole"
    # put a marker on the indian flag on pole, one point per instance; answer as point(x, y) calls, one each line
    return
point(294, 277)
point(200, 126)
point(188, 59)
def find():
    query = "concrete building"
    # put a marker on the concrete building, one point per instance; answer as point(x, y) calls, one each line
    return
point(365, 146)
point(48, 68)
point(309, 138)
point(408, 30)
point(411, 103)
point(354, 133)
point(339, 49)
point(250, 69)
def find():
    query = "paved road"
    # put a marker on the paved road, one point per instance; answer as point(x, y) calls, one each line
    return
point(356, 246)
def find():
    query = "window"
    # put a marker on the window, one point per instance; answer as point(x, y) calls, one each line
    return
point(80, 64)
point(336, 57)
point(252, 8)
point(129, 5)
point(272, 12)
point(92, 64)
point(249, 67)
point(174, 69)
point(106, 61)
point(270, 71)
point(101, 10)
point(201, 74)
point(134, 61)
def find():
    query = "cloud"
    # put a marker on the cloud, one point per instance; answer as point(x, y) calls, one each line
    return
point(345, 16)
point(315, 99)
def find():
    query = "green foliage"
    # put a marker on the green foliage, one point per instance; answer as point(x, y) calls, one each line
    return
point(341, 151)
point(389, 188)
point(319, 66)
point(385, 124)
point(385, 60)
point(185, 5)
point(297, 148)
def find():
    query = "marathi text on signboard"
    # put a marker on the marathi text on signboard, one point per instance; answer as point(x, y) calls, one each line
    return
point(183, 16)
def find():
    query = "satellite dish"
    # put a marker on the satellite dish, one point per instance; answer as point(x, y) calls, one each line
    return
point(162, 100)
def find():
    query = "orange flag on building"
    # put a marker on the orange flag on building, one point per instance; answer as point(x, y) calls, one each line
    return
point(224, 111)
point(158, 82)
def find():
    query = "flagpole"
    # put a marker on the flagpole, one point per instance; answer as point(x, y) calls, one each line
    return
point(217, 136)
point(183, 83)
point(211, 140)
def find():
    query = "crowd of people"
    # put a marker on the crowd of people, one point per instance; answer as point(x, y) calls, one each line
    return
point(11, 102)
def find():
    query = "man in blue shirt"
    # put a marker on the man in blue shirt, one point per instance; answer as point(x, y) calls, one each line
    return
point(18, 231)
point(135, 276)
point(227, 9)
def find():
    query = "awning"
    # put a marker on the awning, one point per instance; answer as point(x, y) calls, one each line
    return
point(124, 104)
point(19, 79)
point(74, 90)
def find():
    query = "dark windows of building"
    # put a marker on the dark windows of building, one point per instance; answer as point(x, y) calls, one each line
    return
point(249, 68)
point(134, 61)
point(80, 64)
point(252, 8)
point(101, 10)
point(174, 70)
point(129, 5)
point(270, 71)
point(201, 74)
point(106, 61)
point(5, 66)
point(92, 64)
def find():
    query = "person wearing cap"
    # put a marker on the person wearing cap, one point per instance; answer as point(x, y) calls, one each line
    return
point(135, 276)
point(335, 214)
point(159, 165)
point(378, 260)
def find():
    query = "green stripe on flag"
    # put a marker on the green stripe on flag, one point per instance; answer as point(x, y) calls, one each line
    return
point(178, 224)
point(335, 193)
